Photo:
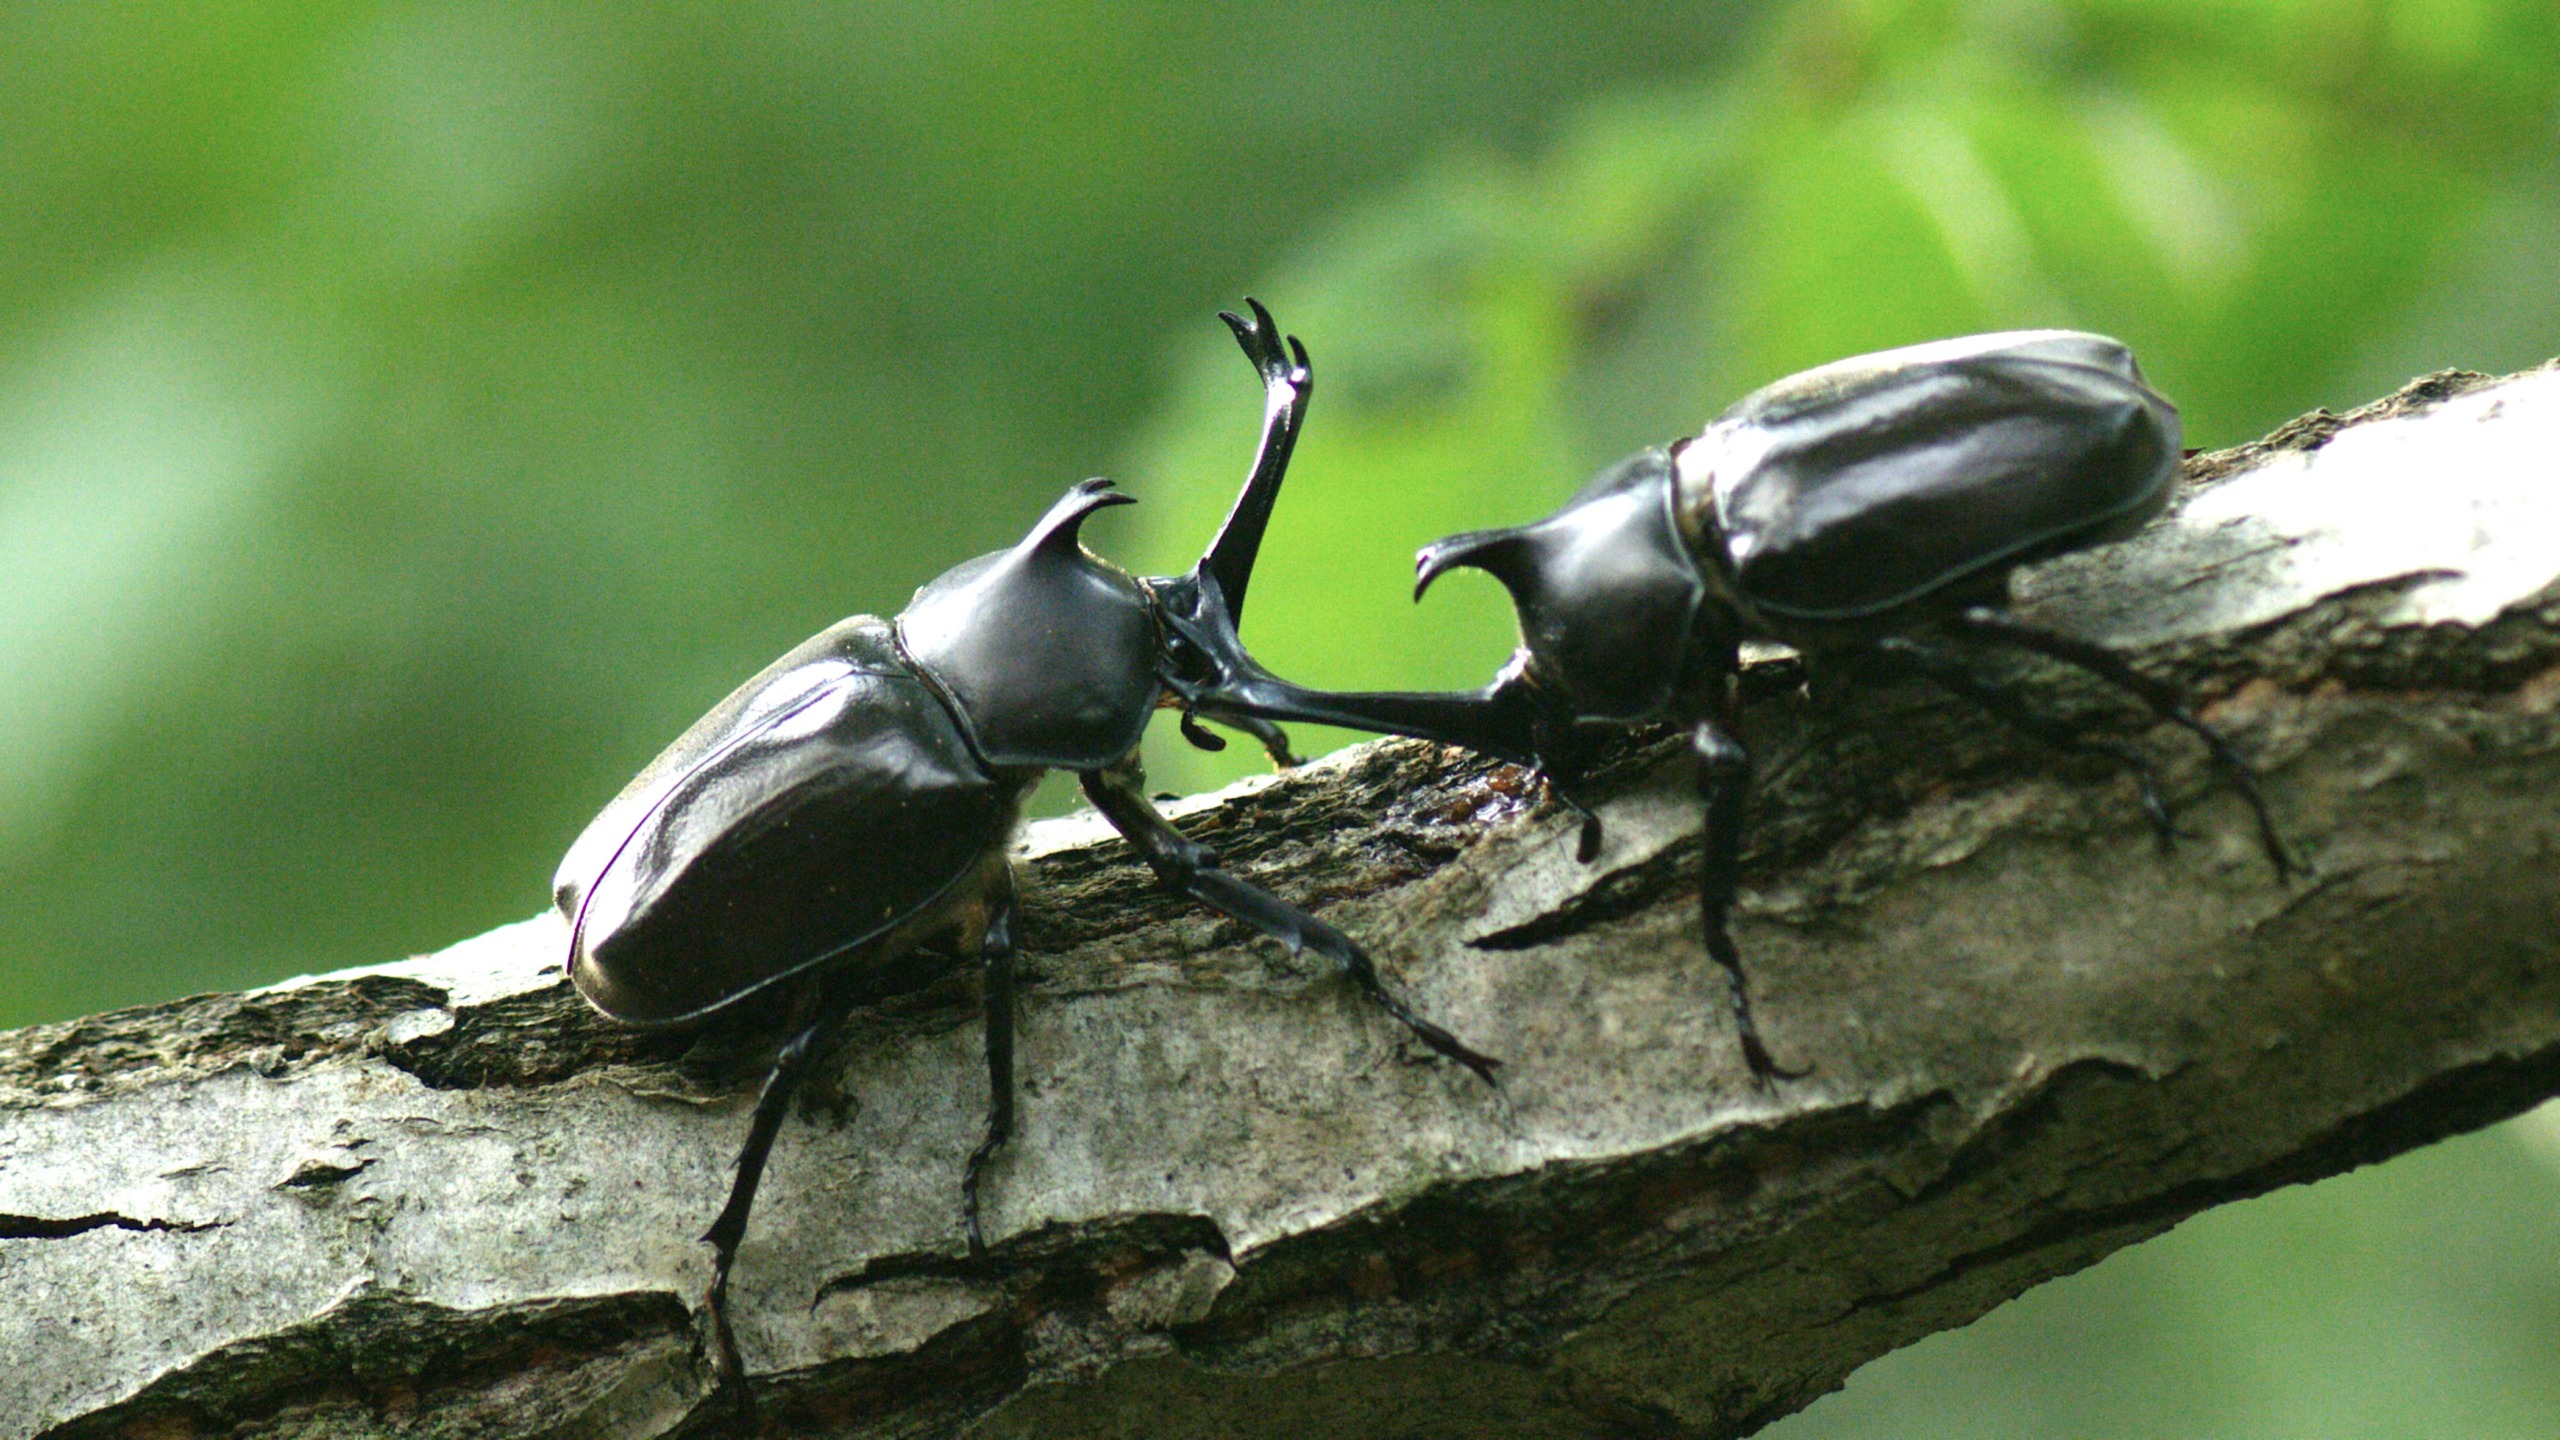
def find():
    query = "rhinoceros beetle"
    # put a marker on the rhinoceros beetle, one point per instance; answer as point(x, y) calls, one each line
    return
point(1873, 507)
point(841, 820)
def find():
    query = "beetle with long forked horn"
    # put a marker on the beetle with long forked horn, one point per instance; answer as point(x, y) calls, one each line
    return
point(840, 821)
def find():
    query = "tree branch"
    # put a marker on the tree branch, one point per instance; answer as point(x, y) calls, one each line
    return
point(443, 1197)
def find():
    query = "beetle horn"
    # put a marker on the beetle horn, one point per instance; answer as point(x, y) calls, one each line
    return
point(1286, 382)
point(1499, 553)
point(1057, 529)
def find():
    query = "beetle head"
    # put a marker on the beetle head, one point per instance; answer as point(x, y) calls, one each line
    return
point(1607, 593)
point(1205, 663)
point(1047, 651)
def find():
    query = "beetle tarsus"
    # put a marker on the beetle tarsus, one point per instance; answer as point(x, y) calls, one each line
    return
point(1587, 835)
point(2162, 700)
point(1189, 868)
point(1724, 776)
point(728, 1372)
point(996, 961)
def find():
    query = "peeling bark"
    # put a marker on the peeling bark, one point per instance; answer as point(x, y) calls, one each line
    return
point(443, 1198)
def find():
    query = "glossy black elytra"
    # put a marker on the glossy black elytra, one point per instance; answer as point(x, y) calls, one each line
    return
point(1871, 508)
point(847, 811)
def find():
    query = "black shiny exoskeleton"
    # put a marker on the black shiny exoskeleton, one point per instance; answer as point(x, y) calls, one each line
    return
point(1869, 508)
point(843, 817)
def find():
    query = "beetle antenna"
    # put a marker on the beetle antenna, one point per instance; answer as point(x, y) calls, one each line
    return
point(1287, 381)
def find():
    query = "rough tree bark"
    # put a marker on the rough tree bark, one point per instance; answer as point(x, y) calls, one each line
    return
point(442, 1198)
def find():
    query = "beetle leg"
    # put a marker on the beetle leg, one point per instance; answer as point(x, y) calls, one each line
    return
point(790, 1068)
point(1200, 736)
point(1560, 787)
point(1724, 776)
point(1588, 835)
point(2163, 701)
point(996, 958)
point(1951, 675)
point(1273, 739)
point(824, 1091)
point(1189, 868)
point(1564, 777)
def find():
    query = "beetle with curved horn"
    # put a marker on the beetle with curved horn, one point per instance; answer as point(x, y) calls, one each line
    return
point(840, 822)
point(1868, 509)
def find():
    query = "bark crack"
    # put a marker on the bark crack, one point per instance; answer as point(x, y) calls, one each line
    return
point(43, 1227)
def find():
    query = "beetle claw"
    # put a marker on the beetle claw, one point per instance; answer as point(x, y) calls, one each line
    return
point(1764, 1068)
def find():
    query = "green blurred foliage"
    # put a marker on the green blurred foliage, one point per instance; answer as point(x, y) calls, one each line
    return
point(412, 415)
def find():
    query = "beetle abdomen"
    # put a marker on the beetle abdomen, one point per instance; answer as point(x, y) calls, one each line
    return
point(1864, 486)
point(821, 805)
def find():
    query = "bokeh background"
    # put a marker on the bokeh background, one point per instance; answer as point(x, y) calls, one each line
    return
point(412, 415)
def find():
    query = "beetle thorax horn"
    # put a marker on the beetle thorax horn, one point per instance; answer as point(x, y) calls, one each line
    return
point(1502, 554)
point(1046, 650)
point(1057, 535)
